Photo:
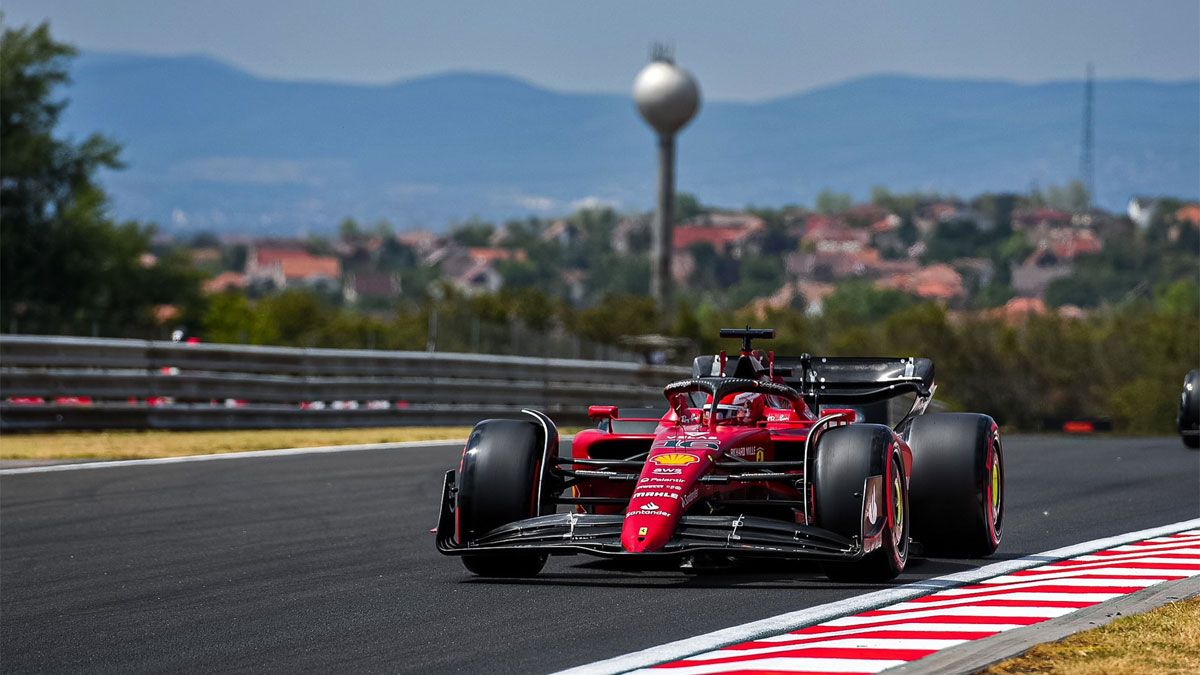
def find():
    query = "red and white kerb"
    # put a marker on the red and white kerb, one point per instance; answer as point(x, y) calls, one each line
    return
point(896, 634)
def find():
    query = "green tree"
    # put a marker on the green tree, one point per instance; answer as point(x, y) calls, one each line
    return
point(856, 302)
point(616, 316)
point(349, 230)
point(832, 203)
point(687, 206)
point(474, 232)
point(64, 265)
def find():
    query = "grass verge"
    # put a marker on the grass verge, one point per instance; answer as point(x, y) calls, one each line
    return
point(146, 444)
point(1164, 640)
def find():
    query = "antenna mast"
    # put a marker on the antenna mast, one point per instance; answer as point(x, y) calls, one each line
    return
point(1087, 169)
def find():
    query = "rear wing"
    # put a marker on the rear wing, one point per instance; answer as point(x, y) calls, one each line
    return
point(853, 379)
point(845, 379)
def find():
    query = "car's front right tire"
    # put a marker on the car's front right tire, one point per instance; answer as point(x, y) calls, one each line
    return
point(845, 458)
point(499, 483)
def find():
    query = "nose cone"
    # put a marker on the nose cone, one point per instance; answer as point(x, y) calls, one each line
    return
point(665, 488)
point(647, 529)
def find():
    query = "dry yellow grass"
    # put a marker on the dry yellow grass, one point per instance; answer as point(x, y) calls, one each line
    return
point(144, 444)
point(1166, 640)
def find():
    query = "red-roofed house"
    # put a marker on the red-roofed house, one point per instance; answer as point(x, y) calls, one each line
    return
point(935, 282)
point(1018, 310)
point(283, 267)
point(727, 233)
point(828, 235)
point(225, 281)
point(1028, 219)
point(1189, 213)
point(495, 254)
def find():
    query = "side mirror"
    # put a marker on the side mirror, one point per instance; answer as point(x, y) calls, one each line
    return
point(602, 411)
point(848, 415)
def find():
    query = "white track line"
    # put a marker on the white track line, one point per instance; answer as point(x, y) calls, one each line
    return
point(122, 463)
point(806, 617)
point(924, 627)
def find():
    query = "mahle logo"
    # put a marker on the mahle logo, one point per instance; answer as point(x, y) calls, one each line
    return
point(675, 459)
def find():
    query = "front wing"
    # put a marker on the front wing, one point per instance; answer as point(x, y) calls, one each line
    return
point(570, 533)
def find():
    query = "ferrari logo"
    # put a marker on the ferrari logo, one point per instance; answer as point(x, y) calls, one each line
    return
point(675, 459)
point(642, 531)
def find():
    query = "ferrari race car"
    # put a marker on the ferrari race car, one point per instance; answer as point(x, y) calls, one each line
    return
point(1187, 422)
point(755, 455)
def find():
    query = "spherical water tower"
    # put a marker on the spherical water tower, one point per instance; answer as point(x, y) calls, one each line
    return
point(668, 97)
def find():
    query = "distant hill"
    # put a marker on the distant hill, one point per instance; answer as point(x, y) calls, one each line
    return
point(209, 146)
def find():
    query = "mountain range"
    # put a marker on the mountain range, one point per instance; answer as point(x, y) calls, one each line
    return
point(209, 146)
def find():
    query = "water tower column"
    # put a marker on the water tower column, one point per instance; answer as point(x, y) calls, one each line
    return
point(668, 97)
point(664, 225)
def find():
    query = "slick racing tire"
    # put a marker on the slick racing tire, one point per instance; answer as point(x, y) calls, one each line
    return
point(1187, 422)
point(500, 482)
point(957, 483)
point(845, 458)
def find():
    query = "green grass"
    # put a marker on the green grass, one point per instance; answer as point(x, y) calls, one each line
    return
point(1165, 640)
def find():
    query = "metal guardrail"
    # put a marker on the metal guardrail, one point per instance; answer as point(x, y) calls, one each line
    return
point(77, 383)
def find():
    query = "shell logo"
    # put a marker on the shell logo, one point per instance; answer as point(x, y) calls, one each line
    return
point(675, 459)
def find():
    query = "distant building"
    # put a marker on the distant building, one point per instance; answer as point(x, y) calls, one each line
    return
point(423, 242)
point(727, 233)
point(564, 232)
point(1018, 310)
point(277, 267)
point(838, 265)
point(1141, 211)
point(225, 281)
point(629, 234)
point(473, 270)
point(365, 286)
point(1043, 217)
point(793, 295)
point(930, 215)
point(823, 234)
point(935, 282)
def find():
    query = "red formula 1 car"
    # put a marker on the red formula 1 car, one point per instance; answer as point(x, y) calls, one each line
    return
point(756, 455)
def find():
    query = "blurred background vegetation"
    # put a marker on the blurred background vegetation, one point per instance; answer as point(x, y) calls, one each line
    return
point(67, 267)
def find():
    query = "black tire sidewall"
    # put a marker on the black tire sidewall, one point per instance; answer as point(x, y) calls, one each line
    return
point(950, 482)
point(845, 458)
point(501, 481)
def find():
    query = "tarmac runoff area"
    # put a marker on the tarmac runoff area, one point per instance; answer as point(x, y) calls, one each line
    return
point(324, 561)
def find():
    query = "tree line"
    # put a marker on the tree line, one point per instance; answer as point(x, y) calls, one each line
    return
point(67, 266)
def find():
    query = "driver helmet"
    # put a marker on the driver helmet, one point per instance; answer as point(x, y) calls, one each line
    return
point(741, 408)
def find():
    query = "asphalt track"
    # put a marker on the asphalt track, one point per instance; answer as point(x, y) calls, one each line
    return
point(325, 562)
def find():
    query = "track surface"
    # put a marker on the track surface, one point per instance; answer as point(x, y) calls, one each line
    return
point(325, 562)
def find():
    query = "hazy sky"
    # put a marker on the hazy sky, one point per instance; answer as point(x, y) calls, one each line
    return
point(739, 50)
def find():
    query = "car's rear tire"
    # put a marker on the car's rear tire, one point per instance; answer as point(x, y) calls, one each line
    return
point(957, 483)
point(845, 458)
point(1192, 441)
point(500, 481)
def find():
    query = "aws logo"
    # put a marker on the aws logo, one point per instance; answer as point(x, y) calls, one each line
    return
point(675, 459)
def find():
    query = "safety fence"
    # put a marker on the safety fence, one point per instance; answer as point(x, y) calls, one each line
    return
point(91, 383)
